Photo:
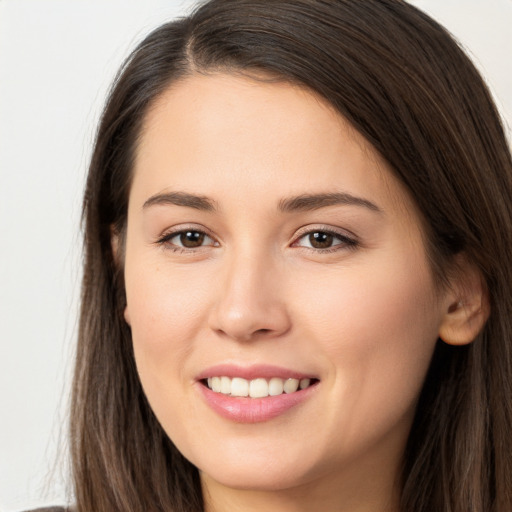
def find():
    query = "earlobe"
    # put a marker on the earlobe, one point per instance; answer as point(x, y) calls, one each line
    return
point(126, 314)
point(467, 307)
point(117, 246)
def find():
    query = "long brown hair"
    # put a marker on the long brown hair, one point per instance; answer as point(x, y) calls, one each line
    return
point(401, 80)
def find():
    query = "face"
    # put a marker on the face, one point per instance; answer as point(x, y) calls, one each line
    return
point(269, 247)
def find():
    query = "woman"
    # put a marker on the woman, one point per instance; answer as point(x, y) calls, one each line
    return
point(297, 282)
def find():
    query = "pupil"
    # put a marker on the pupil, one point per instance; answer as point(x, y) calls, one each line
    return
point(192, 239)
point(321, 240)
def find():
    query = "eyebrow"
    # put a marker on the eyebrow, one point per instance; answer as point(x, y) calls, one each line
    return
point(181, 199)
point(301, 203)
point(309, 202)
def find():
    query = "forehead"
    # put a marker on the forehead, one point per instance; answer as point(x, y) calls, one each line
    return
point(214, 133)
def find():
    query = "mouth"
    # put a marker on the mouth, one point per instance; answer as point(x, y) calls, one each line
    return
point(255, 393)
point(259, 387)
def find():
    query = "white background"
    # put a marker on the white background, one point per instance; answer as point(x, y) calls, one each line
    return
point(57, 58)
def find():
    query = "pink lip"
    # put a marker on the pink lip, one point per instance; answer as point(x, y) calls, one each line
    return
point(264, 371)
point(252, 410)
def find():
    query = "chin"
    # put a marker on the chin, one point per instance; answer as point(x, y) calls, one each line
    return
point(256, 479)
point(264, 473)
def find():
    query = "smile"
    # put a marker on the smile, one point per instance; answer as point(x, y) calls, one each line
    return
point(256, 393)
point(256, 388)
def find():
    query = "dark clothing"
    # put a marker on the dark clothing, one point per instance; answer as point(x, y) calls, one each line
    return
point(50, 509)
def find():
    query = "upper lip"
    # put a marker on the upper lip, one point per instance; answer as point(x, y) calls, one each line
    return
point(252, 372)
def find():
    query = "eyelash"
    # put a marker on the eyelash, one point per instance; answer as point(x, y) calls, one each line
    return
point(167, 237)
point(346, 242)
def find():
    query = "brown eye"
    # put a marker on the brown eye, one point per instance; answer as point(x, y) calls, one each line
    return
point(321, 240)
point(191, 239)
point(326, 240)
point(187, 239)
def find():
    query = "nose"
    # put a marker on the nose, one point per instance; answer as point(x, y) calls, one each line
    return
point(250, 302)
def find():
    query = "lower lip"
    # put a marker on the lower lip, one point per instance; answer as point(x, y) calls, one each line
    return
point(254, 410)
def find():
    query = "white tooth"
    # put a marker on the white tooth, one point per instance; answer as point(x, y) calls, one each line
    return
point(291, 385)
point(258, 388)
point(304, 383)
point(209, 381)
point(239, 387)
point(225, 385)
point(275, 386)
point(216, 384)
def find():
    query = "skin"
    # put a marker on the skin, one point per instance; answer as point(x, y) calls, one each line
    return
point(363, 317)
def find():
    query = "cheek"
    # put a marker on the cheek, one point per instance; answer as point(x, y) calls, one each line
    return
point(166, 312)
point(371, 306)
point(376, 329)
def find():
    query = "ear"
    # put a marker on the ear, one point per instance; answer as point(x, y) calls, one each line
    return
point(467, 306)
point(117, 245)
point(126, 314)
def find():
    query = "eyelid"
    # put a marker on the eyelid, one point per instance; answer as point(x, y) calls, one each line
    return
point(348, 239)
point(170, 233)
point(312, 228)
